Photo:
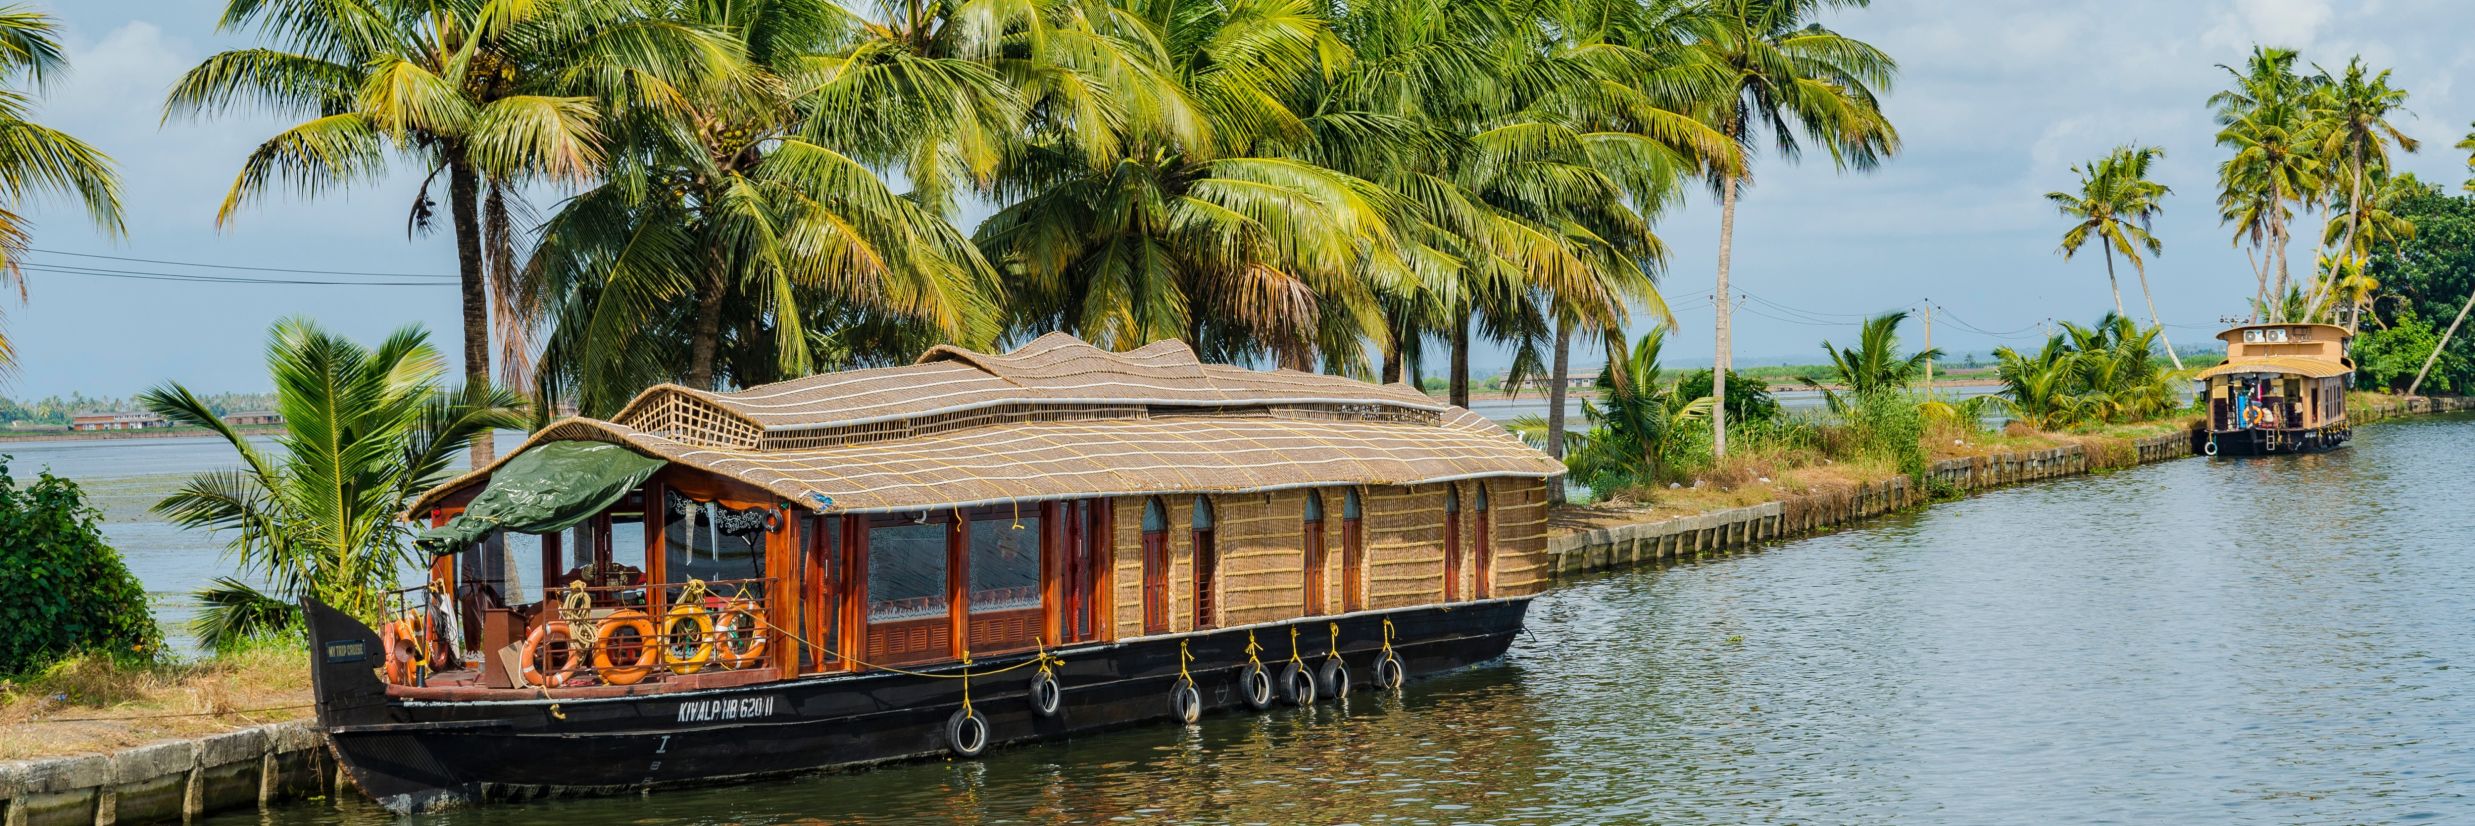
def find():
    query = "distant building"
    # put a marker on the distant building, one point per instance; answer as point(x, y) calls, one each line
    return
point(117, 421)
point(254, 417)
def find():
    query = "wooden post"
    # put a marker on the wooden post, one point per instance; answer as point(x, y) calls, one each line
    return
point(1929, 346)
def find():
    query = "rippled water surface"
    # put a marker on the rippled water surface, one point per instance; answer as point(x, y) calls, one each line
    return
point(2252, 641)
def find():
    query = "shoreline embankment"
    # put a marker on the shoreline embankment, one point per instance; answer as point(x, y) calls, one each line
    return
point(1583, 550)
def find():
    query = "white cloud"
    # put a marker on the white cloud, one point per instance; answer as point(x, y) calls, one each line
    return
point(2293, 24)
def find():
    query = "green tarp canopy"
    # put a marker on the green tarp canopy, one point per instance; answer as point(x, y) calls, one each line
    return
point(548, 488)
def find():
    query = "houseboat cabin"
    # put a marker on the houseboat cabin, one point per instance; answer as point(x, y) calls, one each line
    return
point(928, 559)
point(2281, 389)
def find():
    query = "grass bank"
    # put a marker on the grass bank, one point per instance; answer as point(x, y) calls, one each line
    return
point(1773, 472)
point(91, 705)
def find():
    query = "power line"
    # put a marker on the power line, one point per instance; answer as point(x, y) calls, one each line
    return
point(56, 269)
point(239, 267)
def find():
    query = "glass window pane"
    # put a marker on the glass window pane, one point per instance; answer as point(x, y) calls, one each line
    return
point(1005, 564)
point(1153, 517)
point(1314, 506)
point(1349, 505)
point(706, 541)
point(1203, 514)
point(906, 572)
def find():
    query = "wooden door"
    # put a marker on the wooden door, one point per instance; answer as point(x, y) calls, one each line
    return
point(1155, 568)
point(1353, 554)
point(1311, 553)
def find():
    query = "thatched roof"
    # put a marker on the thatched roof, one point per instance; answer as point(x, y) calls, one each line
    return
point(1056, 418)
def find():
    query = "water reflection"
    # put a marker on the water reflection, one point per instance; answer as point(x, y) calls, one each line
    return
point(2249, 641)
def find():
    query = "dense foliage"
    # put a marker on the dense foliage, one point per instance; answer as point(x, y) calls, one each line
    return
point(2104, 373)
point(365, 429)
point(62, 590)
point(2422, 281)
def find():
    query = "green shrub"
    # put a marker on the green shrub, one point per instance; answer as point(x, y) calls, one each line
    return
point(62, 591)
point(1887, 424)
point(2389, 358)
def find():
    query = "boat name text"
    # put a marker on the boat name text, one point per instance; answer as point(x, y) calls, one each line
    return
point(706, 711)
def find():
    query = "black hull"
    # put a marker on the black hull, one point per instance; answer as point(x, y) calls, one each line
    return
point(411, 755)
point(2258, 442)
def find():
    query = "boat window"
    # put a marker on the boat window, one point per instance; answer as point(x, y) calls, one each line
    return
point(1005, 563)
point(523, 562)
point(1314, 506)
point(1452, 499)
point(906, 571)
point(704, 540)
point(1482, 496)
point(1155, 517)
point(1203, 514)
point(1349, 505)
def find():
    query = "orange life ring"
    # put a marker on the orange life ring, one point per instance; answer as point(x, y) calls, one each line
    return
point(530, 663)
point(625, 652)
point(687, 638)
point(739, 636)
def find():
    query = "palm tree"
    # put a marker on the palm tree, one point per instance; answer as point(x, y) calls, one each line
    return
point(1215, 235)
point(2116, 204)
point(2378, 225)
point(2355, 135)
point(1784, 73)
point(731, 225)
point(365, 430)
point(2263, 119)
point(1639, 428)
point(489, 94)
point(36, 159)
point(1873, 366)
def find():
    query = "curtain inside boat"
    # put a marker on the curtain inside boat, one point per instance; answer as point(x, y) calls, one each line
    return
point(551, 487)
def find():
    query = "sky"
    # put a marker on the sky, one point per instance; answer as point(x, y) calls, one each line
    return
point(1996, 100)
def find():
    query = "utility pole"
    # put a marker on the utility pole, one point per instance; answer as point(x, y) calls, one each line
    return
point(1929, 346)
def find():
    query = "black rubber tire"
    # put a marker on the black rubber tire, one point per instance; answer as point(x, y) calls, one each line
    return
point(966, 733)
point(1185, 703)
point(1297, 686)
point(1045, 694)
point(1388, 672)
point(1255, 684)
point(1333, 677)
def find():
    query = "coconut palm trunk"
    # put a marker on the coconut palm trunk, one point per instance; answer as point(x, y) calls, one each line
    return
point(1721, 361)
point(2429, 360)
point(1460, 380)
point(2112, 284)
point(1559, 375)
point(464, 201)
point(2142, 272)
point(706, 339)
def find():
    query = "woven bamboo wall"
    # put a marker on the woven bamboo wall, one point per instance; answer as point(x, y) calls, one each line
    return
point(1262, 575)
point(1522, 566)
point(1404, 541)
point(1260, 539)
point(1128, 545)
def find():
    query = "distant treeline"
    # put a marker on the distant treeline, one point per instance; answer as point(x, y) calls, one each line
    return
point(56, 410)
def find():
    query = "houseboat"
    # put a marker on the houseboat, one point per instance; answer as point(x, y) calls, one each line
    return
point(2282, 389)
point(927, 560)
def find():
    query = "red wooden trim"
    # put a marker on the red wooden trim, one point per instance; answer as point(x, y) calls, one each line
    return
point(958, 585)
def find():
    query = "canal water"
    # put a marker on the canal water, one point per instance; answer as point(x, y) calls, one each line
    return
point(2241, 641)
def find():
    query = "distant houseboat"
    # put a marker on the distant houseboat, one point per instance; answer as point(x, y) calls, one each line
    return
point(117, 421)
point(926, 560)
point(2282, 389)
